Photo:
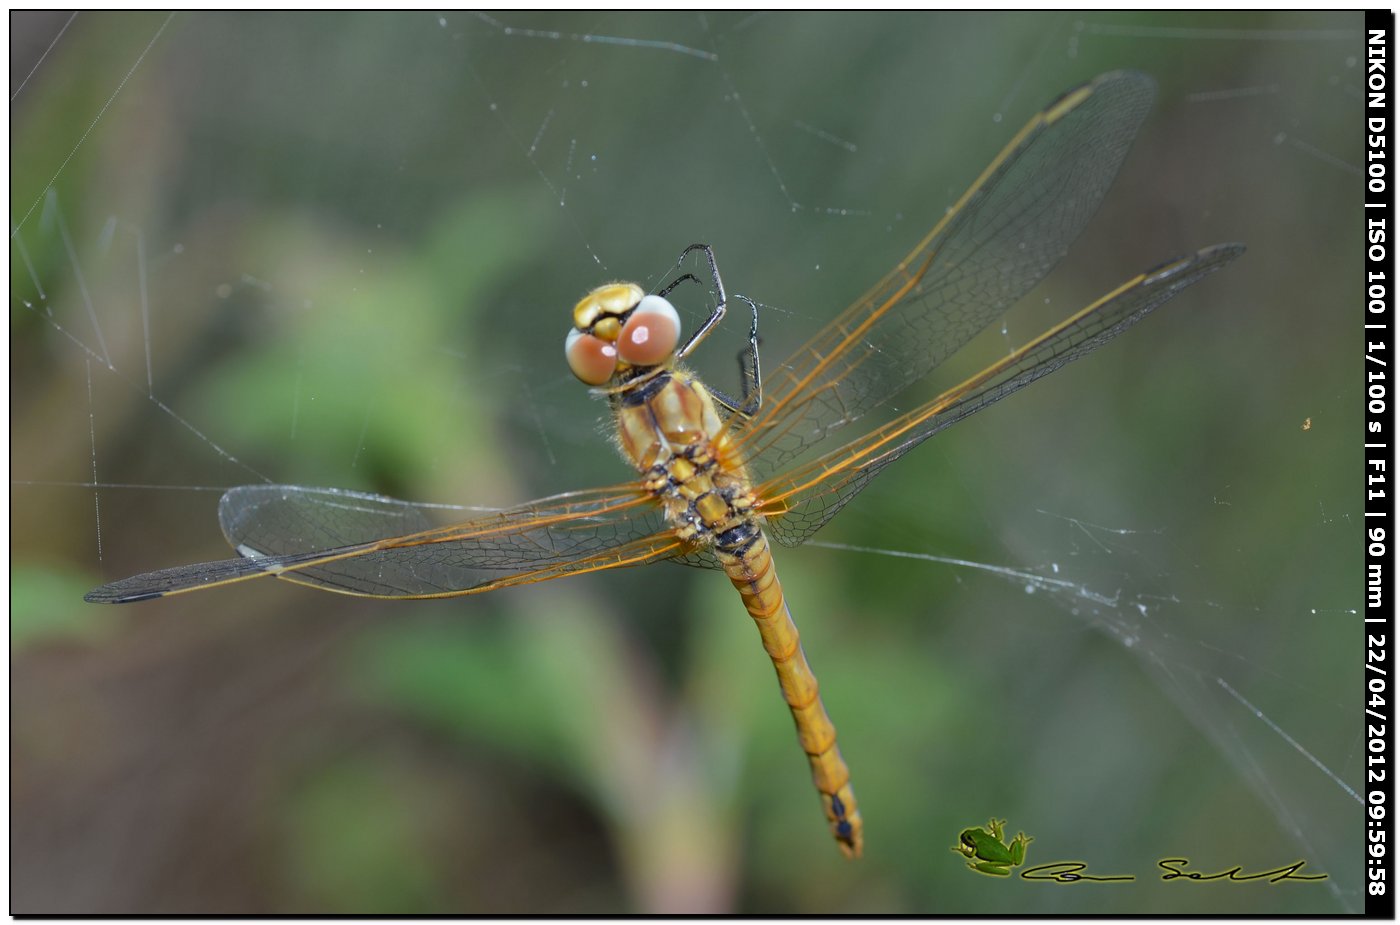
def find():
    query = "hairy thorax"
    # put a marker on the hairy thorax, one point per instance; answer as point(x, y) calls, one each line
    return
point(669, 428)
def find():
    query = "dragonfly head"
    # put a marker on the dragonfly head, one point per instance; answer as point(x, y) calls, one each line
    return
point(618, 327)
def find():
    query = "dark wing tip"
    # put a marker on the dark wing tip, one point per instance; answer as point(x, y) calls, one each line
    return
point(112, 594)
point(1205, 260)
point(1232, 248)
point(150, 585)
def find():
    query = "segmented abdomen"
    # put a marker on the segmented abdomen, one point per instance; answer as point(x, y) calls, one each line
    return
point(748, 561)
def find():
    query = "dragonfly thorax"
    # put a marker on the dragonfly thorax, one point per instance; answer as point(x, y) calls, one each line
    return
point(619, 328)
point(670, 431)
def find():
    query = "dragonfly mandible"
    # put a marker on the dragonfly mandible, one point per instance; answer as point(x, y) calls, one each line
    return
point(718, 476)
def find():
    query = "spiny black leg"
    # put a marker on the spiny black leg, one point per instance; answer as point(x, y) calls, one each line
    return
point(714, 268)
point(710, 322)
point(751, 382)
point(718, 314)
point(750, 377)
point(676, 282)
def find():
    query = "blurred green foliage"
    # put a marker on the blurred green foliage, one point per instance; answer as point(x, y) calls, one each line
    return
point(44, 607)
point(354, 846)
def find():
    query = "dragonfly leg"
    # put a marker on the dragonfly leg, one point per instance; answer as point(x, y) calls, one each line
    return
point(749, 373)
point(723, 300)
point(750, 379)
point(675, 284)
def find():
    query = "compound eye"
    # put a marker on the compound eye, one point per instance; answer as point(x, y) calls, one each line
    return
point(592, 359)
point(651, 333)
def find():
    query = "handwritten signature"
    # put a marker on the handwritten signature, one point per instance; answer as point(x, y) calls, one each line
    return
point(1175, 869)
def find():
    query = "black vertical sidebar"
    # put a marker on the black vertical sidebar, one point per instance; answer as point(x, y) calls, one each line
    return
point(1379, 439)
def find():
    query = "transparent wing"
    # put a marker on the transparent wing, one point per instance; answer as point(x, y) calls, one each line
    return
point(799, 502)
point(369, 545)
point(997, 242)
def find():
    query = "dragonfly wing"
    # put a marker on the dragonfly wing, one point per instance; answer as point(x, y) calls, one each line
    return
point(455, 567)
point(799, 502)
point(336, 540)
point(150, 585)
point(995, 244)
point(283, 520)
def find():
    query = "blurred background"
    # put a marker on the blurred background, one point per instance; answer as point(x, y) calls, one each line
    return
point(340, 249)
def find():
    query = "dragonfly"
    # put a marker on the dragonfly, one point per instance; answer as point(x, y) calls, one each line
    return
point(720, 478)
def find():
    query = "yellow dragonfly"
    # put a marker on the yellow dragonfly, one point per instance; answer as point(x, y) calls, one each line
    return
point(718, 476)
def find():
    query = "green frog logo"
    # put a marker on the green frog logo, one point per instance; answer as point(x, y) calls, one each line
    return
point(987, 851)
